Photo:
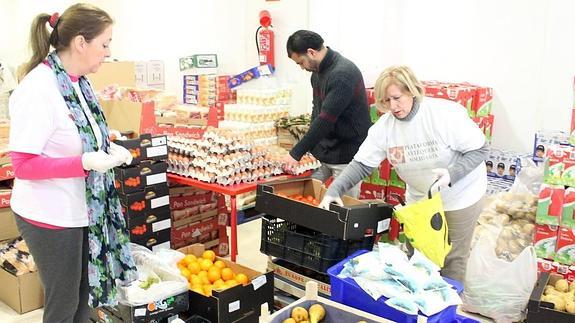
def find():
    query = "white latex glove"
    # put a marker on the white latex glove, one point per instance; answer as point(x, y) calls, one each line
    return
point(442, 177)
point(100, 161)
point(121, 153)
point(327, 200)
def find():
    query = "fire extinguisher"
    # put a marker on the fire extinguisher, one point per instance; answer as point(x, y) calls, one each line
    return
point(265, 39)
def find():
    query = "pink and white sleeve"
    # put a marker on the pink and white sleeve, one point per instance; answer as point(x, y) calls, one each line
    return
point(34, 167)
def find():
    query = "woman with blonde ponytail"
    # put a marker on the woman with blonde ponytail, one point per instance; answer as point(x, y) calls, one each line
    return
point(66, 207)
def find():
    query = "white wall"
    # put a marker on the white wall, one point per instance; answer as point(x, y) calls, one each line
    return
point(522, 48)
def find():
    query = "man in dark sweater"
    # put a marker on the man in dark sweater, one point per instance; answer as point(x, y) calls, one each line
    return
point(340, 116)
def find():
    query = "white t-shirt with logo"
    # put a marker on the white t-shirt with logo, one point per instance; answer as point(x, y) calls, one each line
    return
point(435, 137)
point(41, 124)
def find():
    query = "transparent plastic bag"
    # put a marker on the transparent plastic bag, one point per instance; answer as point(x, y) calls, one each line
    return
point(158, 277)
point(495, 287)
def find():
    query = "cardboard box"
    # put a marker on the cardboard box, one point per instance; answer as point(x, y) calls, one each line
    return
point(201, 231)
point(5, 195)
point(135, 178)
point(550, 204)
point(146, 147)
point(296, 275)
point(146, 225)
point(234, 303)
point(369, 191)
point(152, 312)
point(545, 240)
point(119, 73)
point(125, 116)
point(142, 202)
point(154, 240)
point(22, 293)
point(8, 229)
point(541, 311)
point(352, 221)
point(183, 202)
point(565, 246)
point(461, 94)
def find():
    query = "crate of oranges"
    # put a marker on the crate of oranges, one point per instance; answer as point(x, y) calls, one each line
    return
point(220, 290)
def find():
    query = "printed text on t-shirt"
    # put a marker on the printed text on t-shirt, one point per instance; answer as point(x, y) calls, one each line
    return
point(414, 152)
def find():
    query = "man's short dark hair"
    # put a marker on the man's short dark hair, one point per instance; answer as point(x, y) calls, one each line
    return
point(301, 40)
point(489, 163)
point(541, 148)
point(501, 165)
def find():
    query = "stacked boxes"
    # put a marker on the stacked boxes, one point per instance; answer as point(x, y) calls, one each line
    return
point(198, 216)
point(207, 90)
point(555, 228)
point(545, 139)
point(476, 99)
point(144, 193)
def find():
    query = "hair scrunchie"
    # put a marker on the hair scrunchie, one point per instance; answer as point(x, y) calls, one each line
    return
point(54, 19)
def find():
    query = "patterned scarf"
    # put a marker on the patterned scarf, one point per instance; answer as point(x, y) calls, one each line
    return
point(108, 238)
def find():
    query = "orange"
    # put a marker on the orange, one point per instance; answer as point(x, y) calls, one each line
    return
point(189, 258)
point(195, 280)
point(227, 274)
point(242, 279)
point(218, 284)
point(194, 267)
point(205, 264)
point(203, 273)
point(220, 264)
point(214, 274)
point(209, 254)
point(231, 283)
point(208, 290)
point(185, 272)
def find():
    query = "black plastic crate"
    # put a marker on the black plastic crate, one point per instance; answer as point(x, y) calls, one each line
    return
point(305, 247)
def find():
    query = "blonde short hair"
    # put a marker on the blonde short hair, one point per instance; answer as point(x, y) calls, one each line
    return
point(401, 76)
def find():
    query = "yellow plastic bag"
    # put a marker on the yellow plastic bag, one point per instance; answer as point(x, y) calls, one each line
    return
point(425, 226)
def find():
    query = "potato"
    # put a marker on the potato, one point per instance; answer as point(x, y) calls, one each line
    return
point(528, 228)
point(572, 286)
point(505, 233)
point(559, 303)
point(570, 307)
point(504, 218)
point(501, 207)
point(514, 246)
point(562, 285)
point(550, 290)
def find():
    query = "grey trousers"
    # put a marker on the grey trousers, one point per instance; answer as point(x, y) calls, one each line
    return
point(62, 260)
point(460, 224)
point(328, 170)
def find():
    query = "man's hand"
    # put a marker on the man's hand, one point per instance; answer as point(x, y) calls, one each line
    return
point(442, 177)
point(288, 162)
point(327, 200)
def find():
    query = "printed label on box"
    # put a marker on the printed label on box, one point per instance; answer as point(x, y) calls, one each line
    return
point(383, 225)
point(160, 201)
point(155, 179)
point(158, 226)
point(157, 151)
point(259, 281)
point(164, 245)
point(234, 306)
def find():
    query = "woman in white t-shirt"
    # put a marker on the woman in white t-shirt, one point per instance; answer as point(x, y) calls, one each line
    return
point(66, 207)
point(425, 139)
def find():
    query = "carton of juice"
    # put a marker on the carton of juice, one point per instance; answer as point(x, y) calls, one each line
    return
point(545, 240)
point(550, 204)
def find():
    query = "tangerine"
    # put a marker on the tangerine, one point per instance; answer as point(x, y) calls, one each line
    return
point(209, 254)
point(227, 274)
point(242, 279)
point(214, 274)
point(194, 267)
point(205, 264)
point(220, 264)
